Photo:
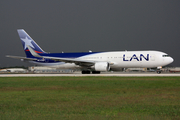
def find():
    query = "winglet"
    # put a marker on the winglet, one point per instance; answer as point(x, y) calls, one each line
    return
point(33, 52)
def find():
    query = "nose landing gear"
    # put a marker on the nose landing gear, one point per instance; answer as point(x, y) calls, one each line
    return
point(158, 71)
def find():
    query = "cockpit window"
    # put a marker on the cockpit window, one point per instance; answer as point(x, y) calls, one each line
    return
point(166, 56)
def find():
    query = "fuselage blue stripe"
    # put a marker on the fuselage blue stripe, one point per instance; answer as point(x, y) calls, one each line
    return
point(68, 55)
point(61, 55)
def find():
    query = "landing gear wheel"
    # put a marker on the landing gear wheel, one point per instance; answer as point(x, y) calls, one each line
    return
point(96, 72)
point(86, 72)
point(158, 71)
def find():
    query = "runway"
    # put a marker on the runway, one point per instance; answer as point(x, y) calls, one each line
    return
point(120, 74)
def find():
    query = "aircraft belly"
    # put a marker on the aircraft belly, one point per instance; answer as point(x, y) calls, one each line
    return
point(68, 66)
point(62, 65)
point(131, 64)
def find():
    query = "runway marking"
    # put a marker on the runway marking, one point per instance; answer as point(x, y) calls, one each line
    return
point(78, 75)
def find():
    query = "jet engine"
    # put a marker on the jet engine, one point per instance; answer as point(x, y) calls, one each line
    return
point(101, 66)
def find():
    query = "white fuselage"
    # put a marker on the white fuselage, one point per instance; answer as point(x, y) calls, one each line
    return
point(121, 59)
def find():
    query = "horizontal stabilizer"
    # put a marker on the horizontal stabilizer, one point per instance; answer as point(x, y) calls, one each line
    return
point(19, 57)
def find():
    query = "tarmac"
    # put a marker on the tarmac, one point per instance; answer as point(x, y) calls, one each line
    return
point(78, 74)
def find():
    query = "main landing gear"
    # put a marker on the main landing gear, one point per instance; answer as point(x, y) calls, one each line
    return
point(89, 72)
point(158, 71)
point(86, 72)
point(96, 72)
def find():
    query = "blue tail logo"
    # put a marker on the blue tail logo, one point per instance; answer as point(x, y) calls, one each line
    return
point(27, 40)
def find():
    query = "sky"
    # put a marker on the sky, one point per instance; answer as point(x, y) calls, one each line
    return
point(96, 25)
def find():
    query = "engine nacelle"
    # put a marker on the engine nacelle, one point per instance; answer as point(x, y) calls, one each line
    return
point(101, 66)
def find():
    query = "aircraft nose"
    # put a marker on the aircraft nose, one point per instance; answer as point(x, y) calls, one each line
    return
point(168, 60)
point(171, 60)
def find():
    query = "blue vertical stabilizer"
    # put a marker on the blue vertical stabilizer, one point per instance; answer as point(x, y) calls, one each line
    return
point(27, 40)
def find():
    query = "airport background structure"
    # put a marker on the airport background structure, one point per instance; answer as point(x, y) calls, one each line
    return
point(36, 69)
point(42, 69)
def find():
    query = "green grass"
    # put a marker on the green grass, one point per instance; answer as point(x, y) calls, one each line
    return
point(135, 98)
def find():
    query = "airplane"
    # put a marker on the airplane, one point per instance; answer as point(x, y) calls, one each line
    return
point(91, 62)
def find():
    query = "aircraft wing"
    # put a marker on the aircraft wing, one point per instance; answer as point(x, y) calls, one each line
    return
point(66, 60)
point(19, 57)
